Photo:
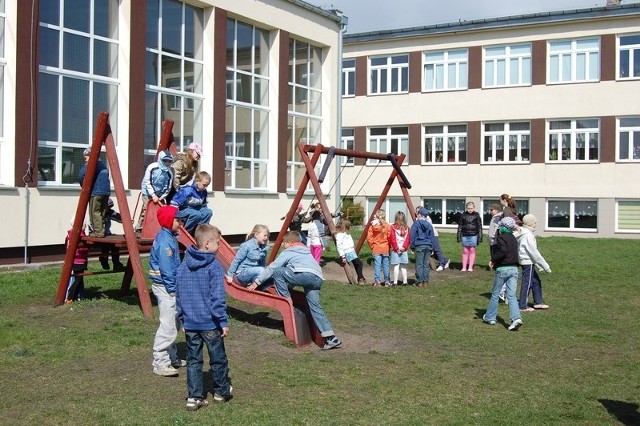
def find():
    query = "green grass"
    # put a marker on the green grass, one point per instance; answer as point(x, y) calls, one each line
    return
point(410, 355)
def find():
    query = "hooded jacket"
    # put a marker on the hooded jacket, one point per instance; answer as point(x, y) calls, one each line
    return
point(505, 251)
point(164, 257)
point(101, 186)
point(190, 196)
point(200, 293)
point(399, 238)
point(378, 237)
point(158, 178)
point(528, 253)
point(297, 257)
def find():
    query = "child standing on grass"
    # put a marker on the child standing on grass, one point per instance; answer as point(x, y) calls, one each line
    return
point(399, 241)
point(192, 202)
point(443, 261)
point(530, 260)
point(251, 258)
point(346, 248)
point(202, 310)
point(470, 235)
point(295, 266)
point(421, 241)
point(378, 240)
point(315, 233)
point(504, 259)
point(75, 287)
point(164, 260)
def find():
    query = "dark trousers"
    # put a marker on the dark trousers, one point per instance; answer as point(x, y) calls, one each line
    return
point(530, 283)
point(218, 362)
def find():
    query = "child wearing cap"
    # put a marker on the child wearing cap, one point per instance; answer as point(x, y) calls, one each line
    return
point(504, 259)
point(186, 166)
point(192, 201)
point(421, 242)
point(156, 183)
point(164, 260)
point(530, 260)
point(100, 192)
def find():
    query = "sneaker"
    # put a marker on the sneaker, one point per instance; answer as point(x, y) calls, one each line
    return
point(167, 371)
point(193, 403)
point(405, 283)
point(446, 265)
point(490, 322)
point(541, 306)
point(104, 262)
point(222, 398)
point(118, 267)
point(470, 270)
point(515, 324)
point(503, 296)
point(362, 281)
point(387, 284)
point(464, 269)
point(527, 309)
point(179, 363)
point(440, 268)
point(331, 342)
point(377, 284)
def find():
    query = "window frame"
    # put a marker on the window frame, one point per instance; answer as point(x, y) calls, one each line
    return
point(348, 76)
point(633, 66)
point(572, 53)
point(347, 138)
point(444, 218)
point(617, 216)
point(508, 57)
point(388, 138)
point(572, 215)
point(573, 133)
point(634, 153)
point(445, 62)
point(384, 73)
point(446, 135)
point(506, 133)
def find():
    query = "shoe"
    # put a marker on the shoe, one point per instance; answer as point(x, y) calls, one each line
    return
point(377, 285)
point(118, 267)
point(515, 324)
point(68, 302)
point(490, 322)
point(167, 371)
point(362, 281)
point(387, 284)
point(470, 270)
point(527, 309)
point(440, 268)
point(464, 269)
point(95, 235)
point(179, 363)
point(541, 306)
point(331, 342)
point(193, 404)
point(104, 262)
point(405, 283)
point(222, 398)
point(503, 296)
point(446, 265)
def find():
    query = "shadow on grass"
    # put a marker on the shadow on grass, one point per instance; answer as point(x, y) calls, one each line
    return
point(261, 319)
point(626, 412)
point(130, 298)
point(499, 320)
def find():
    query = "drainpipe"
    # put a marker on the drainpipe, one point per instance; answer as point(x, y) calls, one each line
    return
point(344, 21)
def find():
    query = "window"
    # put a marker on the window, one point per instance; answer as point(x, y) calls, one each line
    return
point(446, 70)
point(444, 211)
point(508, 142)
point(522, 207)
point(629, 57)
point(349, 77)
point(389, 74)
point(174, 73)
point(629, 139)
point(572, 215)
point(574, 140)
point(445, 144)
point(347, 142)
point(247, 110)
point(507, 65)
point(305, 105)
point(573, 61)
point(384, 140)
point(78, 78)
point(628, 215)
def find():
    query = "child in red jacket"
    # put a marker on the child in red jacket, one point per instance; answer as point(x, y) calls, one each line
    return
point(399, 242)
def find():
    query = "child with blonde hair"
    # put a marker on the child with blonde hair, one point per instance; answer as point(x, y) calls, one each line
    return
point(346, 248)
point(470, 235)
point(251, 258)
point(399, 239)
point(378, 240)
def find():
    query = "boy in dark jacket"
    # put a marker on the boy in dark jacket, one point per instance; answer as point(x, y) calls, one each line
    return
point(504, 259)
point(192, 200)
point(202, 309)
point(421, 241)
point(100, 192)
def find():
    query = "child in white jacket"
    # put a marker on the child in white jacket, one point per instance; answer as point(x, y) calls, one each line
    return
point(346, 248)
point(529, 256)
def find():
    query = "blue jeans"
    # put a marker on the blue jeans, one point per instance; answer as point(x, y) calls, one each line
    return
point(438, 251)
point(218, 363)
point(381, 260)
point(530, 283)
point(196, 217)
point(508, 276)
point(249, 275)
point(423, 253)
point(285, 279)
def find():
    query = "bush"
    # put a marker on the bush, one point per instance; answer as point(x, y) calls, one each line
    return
point(353, 211)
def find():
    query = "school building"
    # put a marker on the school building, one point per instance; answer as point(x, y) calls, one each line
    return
point(248, 80)
point(543, 107)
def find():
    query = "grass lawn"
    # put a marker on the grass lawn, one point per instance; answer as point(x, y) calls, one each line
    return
point(411, 356)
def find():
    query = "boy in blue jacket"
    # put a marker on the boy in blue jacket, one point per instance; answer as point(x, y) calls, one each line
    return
point(422, 243)
point(202, 309)
point(296, 266)
point(164, 260)
point(100, 191)
point(192, 200)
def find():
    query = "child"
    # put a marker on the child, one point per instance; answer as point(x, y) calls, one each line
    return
point(296, 222)
point(470, 235)
point(164, 260)
point(315, 234)
point(529, 256)
point(296, 267)
point(202, 310)
point(75, 288)
point(113, 250)
point(504, 259)
point(399, 240)
point(378, 240)
point(251, 258)
point(100, 192)
point(346, 248)
point(186, 165)
point(421, 241)
point(192, 201)
point(509, 207)
point(156, 183)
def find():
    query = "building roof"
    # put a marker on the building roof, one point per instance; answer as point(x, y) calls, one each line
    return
point(333, 14)
point(496, 23)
